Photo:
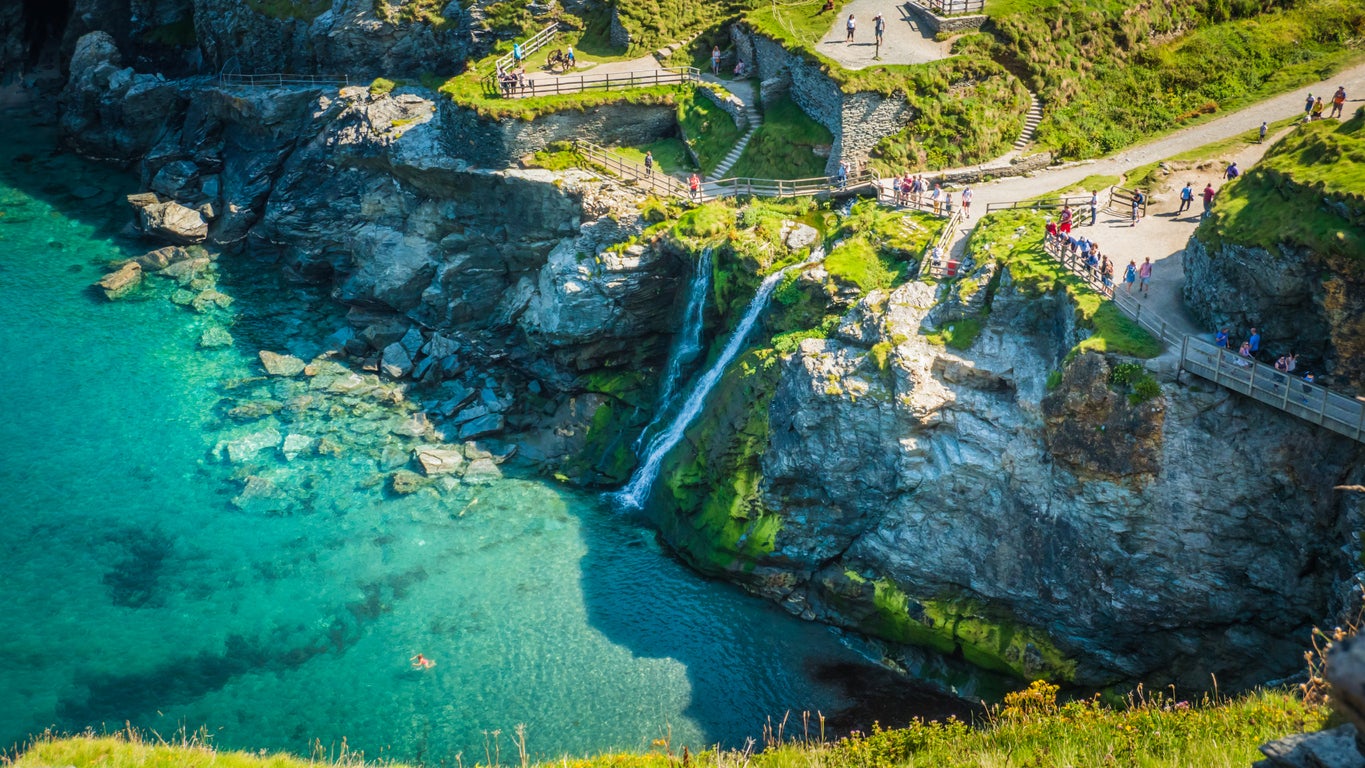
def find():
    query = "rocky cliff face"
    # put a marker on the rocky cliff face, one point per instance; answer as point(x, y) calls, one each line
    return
point(1299, 300)
point(948, 499)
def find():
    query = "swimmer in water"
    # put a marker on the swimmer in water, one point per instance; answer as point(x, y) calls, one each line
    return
point(421, 662)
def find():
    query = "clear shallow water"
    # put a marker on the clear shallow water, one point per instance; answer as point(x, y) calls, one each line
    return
point(134, 588)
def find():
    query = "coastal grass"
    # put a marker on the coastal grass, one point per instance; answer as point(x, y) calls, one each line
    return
point(1030, 728)
point(877, 246)
point(670, 155)
point(470, 91)
point(1113, 73)
point(784, 146)
point(1280, 201)
point(1014, 238)
point(707, 129)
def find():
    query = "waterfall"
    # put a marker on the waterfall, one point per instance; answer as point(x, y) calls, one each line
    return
point(637, 490)
point(687, 346)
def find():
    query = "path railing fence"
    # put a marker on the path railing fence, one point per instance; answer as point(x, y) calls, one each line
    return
point(937, 261)
point(1295, 396)
point(1121, 201)
point(1077, 202)
point(517, 87)
point(279, 80)
point(528, 47)
point(656, 181)
point(954, 7)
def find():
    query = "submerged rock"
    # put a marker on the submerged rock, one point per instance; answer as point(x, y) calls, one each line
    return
point(489, 424)
point(405, 481)
point(215, 337)
point(242, 448)
point(439, 460)
point(173, 222)
point(281, 365)
point(161, 258)
point(296, 445)
point(396, 361)
point(117, 284)
point(210, 298)
point(482, 471)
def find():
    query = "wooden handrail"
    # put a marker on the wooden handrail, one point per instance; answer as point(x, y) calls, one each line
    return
point(540, 86)
point(530, 46)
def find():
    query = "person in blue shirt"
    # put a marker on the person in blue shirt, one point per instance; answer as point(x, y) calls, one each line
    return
point(1255, 341)
point(1221, 338)
point(1232, 172)
point(1186, 198)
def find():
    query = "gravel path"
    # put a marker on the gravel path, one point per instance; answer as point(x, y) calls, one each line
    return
point(906, 41)
point(1162, 236)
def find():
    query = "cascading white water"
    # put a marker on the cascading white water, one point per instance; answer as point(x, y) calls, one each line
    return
point(687, 346)
point(637, 490)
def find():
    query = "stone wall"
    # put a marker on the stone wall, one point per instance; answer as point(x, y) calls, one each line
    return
point(500, 142)
point(728, 102)
point(950, 24)
point(857, 120)
point(620, 36)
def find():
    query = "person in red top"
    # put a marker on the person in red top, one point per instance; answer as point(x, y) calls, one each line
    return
point(1208, 199)
point(1051, 230)
point(694, 184)
point(1338, 101)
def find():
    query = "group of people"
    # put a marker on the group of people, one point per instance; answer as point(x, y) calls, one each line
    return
point(1249, 352)
point(917, 191)
point(1313, 107)
point(1187, 193)
point(851, 25)
point(1094, 264)
point(512, 80)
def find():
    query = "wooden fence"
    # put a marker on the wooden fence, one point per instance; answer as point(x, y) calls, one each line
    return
point(944, 266)
point(279, 80)
point(530, 46)
point(525, 87)
point(954, 7)
point(656, 181)
point(1121, 201)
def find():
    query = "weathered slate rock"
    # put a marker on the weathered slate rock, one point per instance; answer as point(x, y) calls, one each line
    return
point(490, 424)
point(281, 365)
point(396, 362)
point(439, 460)
point(117, 284)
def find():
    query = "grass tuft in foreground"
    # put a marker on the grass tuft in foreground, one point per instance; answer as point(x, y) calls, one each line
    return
point(1031, 728)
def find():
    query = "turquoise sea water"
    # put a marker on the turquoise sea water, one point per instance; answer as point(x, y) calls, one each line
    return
point(140, 584)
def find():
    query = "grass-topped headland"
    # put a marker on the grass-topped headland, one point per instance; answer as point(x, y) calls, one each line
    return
point(1112, 72)
point(1308, 191)
point(1029, 728)
point(1014, 240)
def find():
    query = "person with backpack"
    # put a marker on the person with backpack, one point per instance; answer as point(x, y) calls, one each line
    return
point(1138, 200)
point(649, 163)
point(1232, 172)
point(1186, 199)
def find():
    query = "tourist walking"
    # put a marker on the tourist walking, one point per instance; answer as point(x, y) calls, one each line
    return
point(1129, 276)
point(715, 60)
point(1338, 101)
point(850, 25)
point(694, 184)
point(1064, 226)
point(1208, 199)
point(1145, 275)
point(649, 163)
point(1220, 339)
point(1138, 200)
point(947, 203)
point(843, 174)
point(1186, 199)
point(1264, 127)
point(1232, 172)
point(1094, 207)
point(1255, 341)
point(516, 53)
point(878, 27)
point(1308, 107)
point(937, 197)
point(572, 60)
point(967, 203)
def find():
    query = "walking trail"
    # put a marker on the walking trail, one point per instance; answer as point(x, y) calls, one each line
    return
point(1162, 236)
point(906, 41)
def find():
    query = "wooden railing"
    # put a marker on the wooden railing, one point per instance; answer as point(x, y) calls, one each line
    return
point(530, 46)
point(744, 185)
point(525, 87)
point(1077, 202)
point(1121, 201)
point(1291, 394)
point(943, 266)
point(1285, 391)
point(656, 181)
point(278, 80)
point(954, 7)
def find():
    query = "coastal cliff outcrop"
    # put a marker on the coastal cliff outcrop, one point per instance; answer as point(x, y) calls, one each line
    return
point(950, 499)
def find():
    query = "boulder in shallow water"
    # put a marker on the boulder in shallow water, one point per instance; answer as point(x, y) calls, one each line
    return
point(117, 284)
point(215, 337)
point(159, 259)
point(255, 409)
point(799, 235)
point(182, 297)
point(482, 471)
point(281, 365)
point(417, 425)
point(186, 271)
point(210, 298)
point(439, 460)
point(174, 222)
point(406, 481)
point(396, 362)
point(484, 425)
point(242, 448)
point(261, 496)
point(296, 446)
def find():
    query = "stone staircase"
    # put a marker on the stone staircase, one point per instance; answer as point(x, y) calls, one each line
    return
point(755, 119)
point(1031, 120)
